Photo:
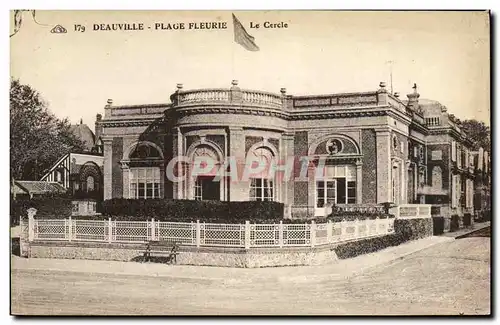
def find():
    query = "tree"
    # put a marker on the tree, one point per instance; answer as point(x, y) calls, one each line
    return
point(37, 137)
point(18, 20)
point(478, 132)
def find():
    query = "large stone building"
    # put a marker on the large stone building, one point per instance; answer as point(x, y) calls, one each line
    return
point(375, 148)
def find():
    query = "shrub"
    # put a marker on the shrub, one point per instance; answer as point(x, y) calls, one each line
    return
point(47, 206)
point(455, 223)
point(366, 246)
point(412, 229)
point(438, 225)
point(191, 210)
point(467, 219)
point(404, 230)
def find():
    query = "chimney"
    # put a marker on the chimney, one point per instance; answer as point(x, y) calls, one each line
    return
point(107, 107)
point(413, 99)
point(382, 96)
point(98, 126)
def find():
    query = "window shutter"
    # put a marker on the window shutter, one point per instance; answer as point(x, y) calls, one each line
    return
point(453, 151)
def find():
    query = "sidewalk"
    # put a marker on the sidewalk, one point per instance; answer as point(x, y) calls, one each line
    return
point(465, 231)
point(340, 269)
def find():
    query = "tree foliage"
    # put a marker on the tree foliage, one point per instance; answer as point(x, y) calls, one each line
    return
point(37, 137)
point(478, 132)
point(18, 19)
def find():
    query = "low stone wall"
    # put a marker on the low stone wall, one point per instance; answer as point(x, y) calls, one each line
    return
point(86, 251)
point(255, 258)
point(252, 258)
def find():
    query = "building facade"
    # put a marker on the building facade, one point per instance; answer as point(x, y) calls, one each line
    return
point(81, 174)
point(371, 148)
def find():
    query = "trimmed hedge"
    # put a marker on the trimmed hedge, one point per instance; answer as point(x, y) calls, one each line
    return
point(404, 230)
point(438, 225)
point(467, 220)
point(454, 223)
point(366, 246)
point(53, 207)
point(191, 210)
point(484, 215)
point(412, 229)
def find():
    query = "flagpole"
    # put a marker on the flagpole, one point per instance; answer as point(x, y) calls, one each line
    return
point(233, 77)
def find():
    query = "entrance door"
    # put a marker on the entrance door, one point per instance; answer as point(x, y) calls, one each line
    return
point(206, 188)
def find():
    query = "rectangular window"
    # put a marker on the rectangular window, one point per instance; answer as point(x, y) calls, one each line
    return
point(453, 151)
point(144, 183)
point(261, 189)
point(337, 187)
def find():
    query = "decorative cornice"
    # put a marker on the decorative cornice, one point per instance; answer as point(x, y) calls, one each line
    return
point(114, 124)
point(282, 114)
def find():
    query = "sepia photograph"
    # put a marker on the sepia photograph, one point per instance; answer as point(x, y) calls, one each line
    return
point(250, 163)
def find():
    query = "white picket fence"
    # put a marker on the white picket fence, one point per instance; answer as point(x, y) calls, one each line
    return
point(207, 234)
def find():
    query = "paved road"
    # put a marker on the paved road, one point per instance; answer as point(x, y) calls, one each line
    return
point(448, 278)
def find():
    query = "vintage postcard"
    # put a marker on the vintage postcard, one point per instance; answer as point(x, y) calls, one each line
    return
point(250, 163)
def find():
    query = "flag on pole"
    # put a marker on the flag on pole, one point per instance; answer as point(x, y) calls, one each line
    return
point(242, 37)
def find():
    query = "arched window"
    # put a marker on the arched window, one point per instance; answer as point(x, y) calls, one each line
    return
point(437, 177)
point(261, 183)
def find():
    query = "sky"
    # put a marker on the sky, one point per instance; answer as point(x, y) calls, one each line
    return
point(447, 54)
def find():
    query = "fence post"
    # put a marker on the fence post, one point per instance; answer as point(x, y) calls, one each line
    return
point(356, 228)
point(198, 233)
point(247, 234)
point(312, 235)
point(70, 229)
point(153, 234)
point(329, 232)
point(342, 230)
point(31, 224)
point(110, 230)
point(280, 234)
point(377, 228)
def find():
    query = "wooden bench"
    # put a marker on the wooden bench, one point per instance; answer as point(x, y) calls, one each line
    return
point(161, 248)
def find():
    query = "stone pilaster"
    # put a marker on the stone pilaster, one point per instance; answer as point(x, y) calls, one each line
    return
point(383, 165)
point(126, 180)
point(239, 189)
point(359, 181)
point(178, 150)
point(108, 166)
point(286, 179)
